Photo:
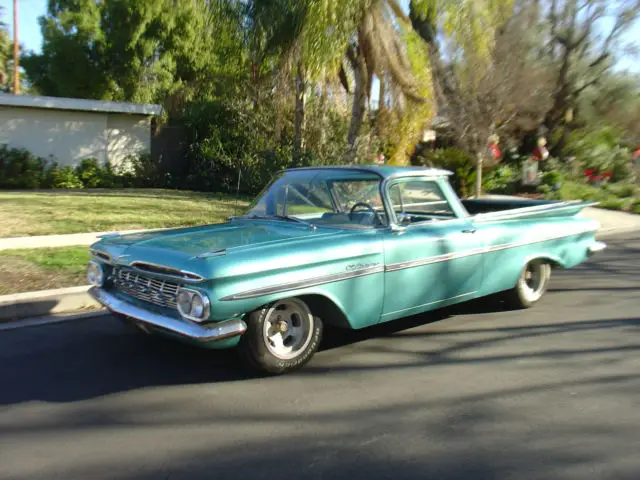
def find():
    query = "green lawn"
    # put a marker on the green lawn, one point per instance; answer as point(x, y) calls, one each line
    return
point(59, 212)
point(42, 269)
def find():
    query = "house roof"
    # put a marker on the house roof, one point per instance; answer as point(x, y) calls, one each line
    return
point(78, 104)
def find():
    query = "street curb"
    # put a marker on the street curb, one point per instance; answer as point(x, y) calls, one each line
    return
point(19, 306)
point(51, 319)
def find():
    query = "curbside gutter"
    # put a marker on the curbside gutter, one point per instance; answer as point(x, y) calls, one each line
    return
point(20, 306)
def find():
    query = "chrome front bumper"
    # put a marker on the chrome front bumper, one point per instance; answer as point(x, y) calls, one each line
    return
point(596, 247)
point(193, 331)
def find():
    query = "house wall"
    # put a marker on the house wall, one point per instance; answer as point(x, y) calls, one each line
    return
point(127, 135)
point(70, 136)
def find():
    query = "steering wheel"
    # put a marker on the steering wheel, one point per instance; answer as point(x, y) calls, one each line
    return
point(368, 207)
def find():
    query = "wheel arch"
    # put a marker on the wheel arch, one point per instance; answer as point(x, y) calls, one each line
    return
point(553, 260)
point(327, 309)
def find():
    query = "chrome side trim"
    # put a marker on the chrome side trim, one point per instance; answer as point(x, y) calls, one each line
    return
point(435, 259)
point(199, 333)
point(283, 287)
point(392, 267)
point(526, 211)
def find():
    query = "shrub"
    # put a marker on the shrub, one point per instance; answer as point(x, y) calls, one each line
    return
point(20, 169)
point(65, 178)
point(499, 179)
point(552, 179)
point(622, 190)
point(90, 173)
point(455, 160)
point(601, 150)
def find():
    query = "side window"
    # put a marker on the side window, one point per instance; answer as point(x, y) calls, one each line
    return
point(421, 200)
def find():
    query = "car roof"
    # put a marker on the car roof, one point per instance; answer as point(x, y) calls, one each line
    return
point(384, 171)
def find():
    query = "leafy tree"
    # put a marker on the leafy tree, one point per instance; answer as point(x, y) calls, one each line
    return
point(478, 66)
point(136, 50)
point(583, 39)
point(6, 57)
point(615, 101)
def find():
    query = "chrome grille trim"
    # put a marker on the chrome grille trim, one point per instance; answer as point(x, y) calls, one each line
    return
point(148, 289)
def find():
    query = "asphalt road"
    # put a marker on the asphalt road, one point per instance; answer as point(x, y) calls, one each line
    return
point(473, 392)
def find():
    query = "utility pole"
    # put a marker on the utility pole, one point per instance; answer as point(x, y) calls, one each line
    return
point(16, 60)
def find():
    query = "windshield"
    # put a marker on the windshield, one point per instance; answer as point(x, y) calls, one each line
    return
point(323, 197)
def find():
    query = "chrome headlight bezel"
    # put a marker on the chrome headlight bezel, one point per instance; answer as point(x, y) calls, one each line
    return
point(188, 315)
point(95, 273)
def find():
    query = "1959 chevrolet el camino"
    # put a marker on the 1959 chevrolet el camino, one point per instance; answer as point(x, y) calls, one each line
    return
point(339, 246)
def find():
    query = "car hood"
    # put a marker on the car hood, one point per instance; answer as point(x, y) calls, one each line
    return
point(178, 247)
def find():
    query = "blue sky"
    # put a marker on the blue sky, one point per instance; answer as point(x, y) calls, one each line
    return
point(30, 37)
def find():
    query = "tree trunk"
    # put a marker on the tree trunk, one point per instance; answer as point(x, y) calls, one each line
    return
point(359, 104)
point(381, 104)
point(480, 164)
point(298, 133)
point(324, 92)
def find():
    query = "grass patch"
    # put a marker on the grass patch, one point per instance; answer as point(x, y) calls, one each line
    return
point(60, 212)
point(42, 268)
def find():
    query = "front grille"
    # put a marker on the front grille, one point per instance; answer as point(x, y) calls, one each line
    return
point(147, 289)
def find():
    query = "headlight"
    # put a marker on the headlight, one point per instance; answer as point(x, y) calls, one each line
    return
point(193, 305)
point(95, 274)
point(184, 303)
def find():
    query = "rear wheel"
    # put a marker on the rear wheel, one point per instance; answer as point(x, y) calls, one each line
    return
point(531, 285)
point(281, 337)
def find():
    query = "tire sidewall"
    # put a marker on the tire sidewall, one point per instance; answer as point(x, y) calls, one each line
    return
point(522, 290)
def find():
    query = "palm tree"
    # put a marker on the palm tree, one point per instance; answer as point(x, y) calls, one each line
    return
point(359, 40)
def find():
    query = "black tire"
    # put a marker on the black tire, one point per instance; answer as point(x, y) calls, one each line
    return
point(531, 285)
point(258, 350)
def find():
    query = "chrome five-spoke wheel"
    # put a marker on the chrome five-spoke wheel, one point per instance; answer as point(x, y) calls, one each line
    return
point(287, 328)
point(281, 337)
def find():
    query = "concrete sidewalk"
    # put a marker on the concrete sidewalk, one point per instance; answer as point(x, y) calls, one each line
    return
point(69, 240)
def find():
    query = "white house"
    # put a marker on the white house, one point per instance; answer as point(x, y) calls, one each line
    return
point(70, 129)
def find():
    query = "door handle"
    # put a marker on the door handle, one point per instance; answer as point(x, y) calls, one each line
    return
point(469, 230)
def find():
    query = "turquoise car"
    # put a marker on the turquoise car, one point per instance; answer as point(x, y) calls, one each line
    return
point(343, 247)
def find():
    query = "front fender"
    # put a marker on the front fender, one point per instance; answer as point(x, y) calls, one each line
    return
point(357, 301)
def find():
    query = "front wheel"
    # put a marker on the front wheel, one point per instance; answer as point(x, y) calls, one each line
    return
point(532, 284)
point(281, 337)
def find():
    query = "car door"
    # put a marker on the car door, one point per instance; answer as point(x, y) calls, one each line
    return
point(435, 257)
